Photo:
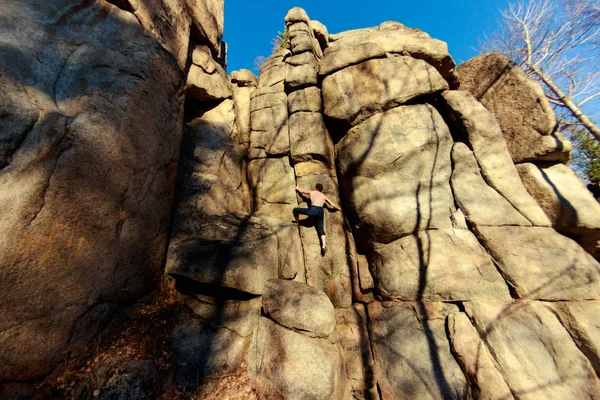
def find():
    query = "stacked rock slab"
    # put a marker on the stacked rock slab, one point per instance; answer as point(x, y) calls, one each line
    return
point(311, 151)
point(528, 124)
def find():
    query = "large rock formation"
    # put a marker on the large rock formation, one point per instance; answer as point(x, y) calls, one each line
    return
point(89, 154)
point(447, 275)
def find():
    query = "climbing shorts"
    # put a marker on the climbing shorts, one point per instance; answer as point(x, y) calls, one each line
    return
point(317, 213)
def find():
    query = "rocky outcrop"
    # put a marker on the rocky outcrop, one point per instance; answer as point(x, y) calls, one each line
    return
point(446, 275)
point(89, 155)
point(518, 104)
point(568, 203)
point(306, 351)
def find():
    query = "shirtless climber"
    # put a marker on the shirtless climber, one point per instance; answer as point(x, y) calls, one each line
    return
point(317, 201)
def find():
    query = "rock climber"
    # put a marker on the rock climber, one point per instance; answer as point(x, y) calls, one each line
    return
point(317, 201)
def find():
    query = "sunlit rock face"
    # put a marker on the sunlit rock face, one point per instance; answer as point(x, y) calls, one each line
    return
point(447, 274)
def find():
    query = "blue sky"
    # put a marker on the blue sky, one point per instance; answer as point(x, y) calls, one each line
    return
point(250, 26)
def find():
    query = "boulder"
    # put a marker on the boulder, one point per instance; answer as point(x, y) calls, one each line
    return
point(300, 76)
point(291, 365)
point(272, 184)
point(302, 41)
point(481, 204)
point(320, 32)
point(272, 72)
point(243, 85)
point(533, 351)
point(475, 360)
point(269, 124)
point(206, 79)
point(358, 91)
point(87, 179)
point(518, 104)
point(436, 265)
point(235, 252)
point(412, 354)
point(244, 78)
point(566, 200)
point(209, 176)
point(291, 257)
point(309, 139)
point(408, 144)
point(300, 307)
point(354, 47)
point(468, 118)
point(307, 99)
point(302, 58)
point(296, 14)
point(208, 19)
point(539, 263)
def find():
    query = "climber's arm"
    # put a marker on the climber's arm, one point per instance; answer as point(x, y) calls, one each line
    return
point(332, 204)
point(302, 191)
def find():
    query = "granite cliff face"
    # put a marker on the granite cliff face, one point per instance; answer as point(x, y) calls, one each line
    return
point(462, 264)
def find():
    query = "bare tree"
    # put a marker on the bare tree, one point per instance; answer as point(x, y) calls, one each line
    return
point(558, 44)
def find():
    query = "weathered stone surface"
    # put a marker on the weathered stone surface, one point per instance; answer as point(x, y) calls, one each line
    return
point(301, 42)
point(292, 365)
point(518, 104)
point(87, 179)
point(267, 97)
point(330, 273)
point(303, 59)
point(300, 76)
point(568, 203)
point(533, 351)
point(206, 79)
point(291, 257)
point(272, 183)
point(481, 204)
point(307, 99)
point(235, 252)
point(300, 307)
point(468, 117)
point(354, 47)
point(309, 139)
point(168, 21)
point(412, 354)
point(269, 124)
point(358, 358)
point(212, 336)
point(355, 93)
point(272, 72)
point(539, 263)
point(581, 320)
point(320, 32)
point(208, 18)
point(436, 265)
point(475, 360)
point(244, 78)
point(408, 144)
point(243, 84)
point(296, 14)
point(209, 178)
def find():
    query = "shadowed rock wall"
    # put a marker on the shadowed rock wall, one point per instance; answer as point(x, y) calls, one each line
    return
point(447, 274)
point(90, 127)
